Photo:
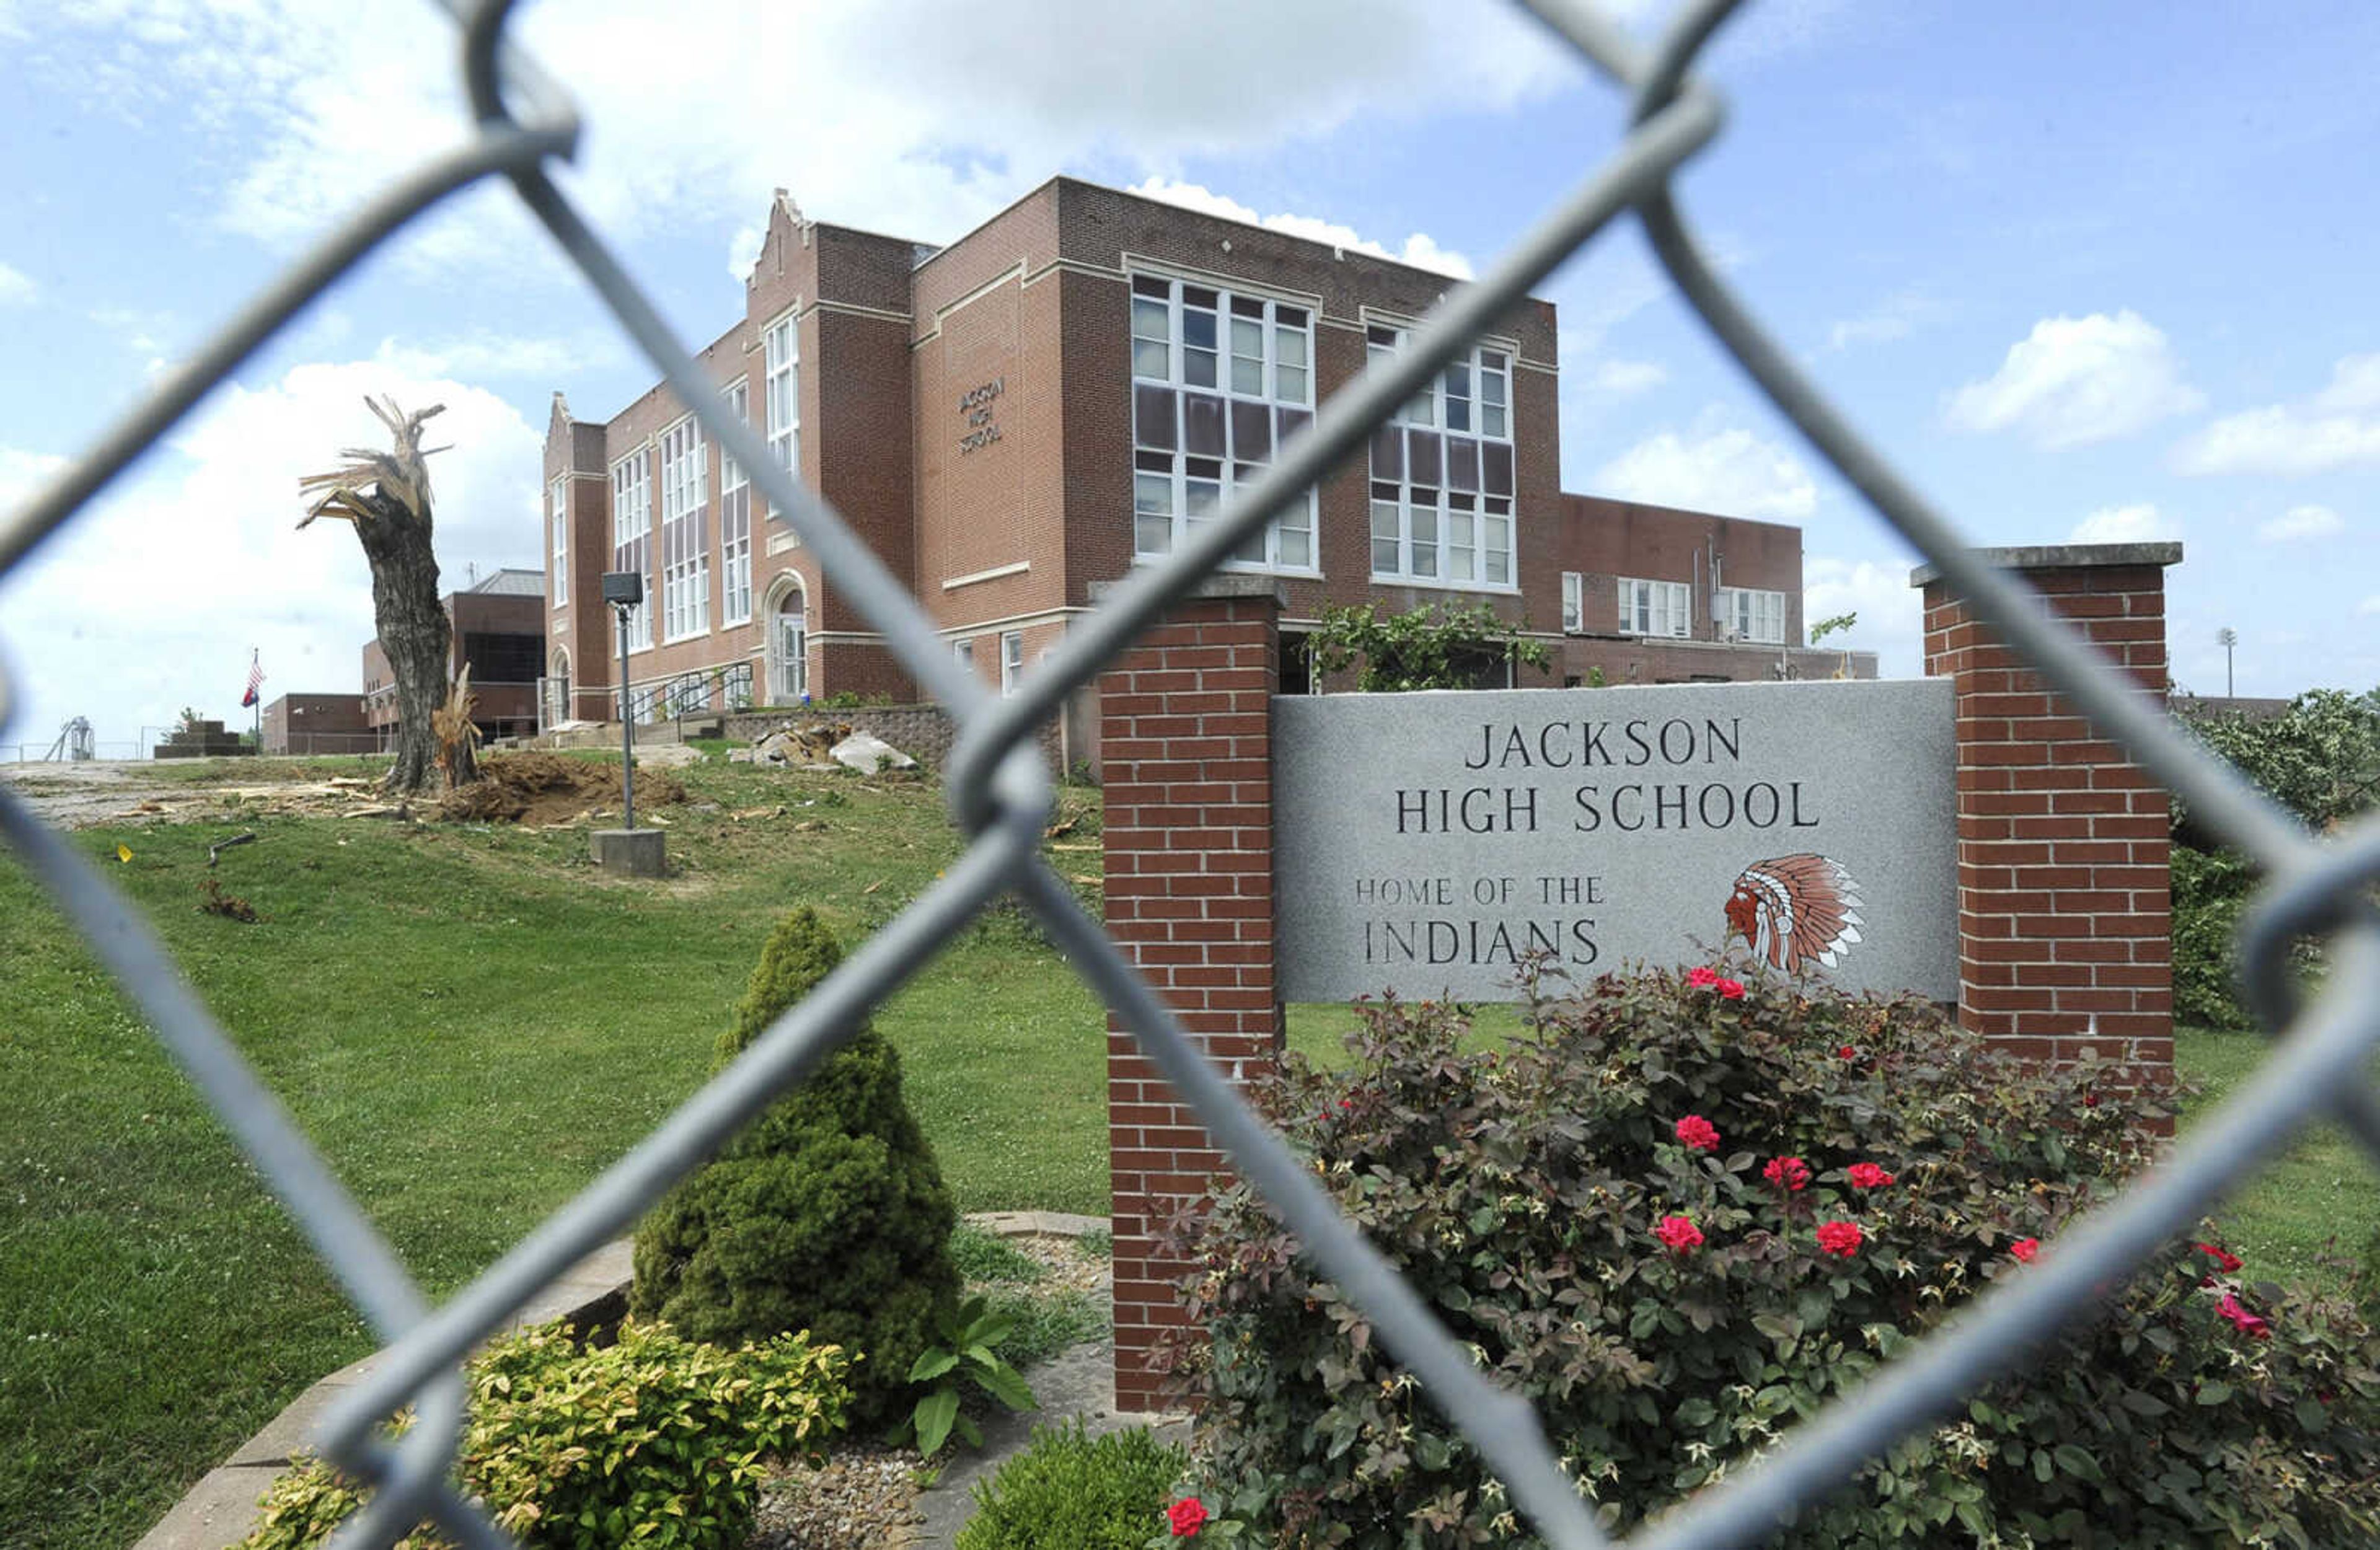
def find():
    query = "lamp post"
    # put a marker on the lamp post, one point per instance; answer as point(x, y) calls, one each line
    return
point(623, 590)
point(2226, 637)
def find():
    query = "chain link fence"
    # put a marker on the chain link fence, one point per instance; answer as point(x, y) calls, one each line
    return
point(999, 791)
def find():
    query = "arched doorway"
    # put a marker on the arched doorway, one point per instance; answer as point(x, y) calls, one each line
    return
point(789, 642)
point(558, 708)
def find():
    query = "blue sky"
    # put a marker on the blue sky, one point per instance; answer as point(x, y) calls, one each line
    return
point(2085, 271)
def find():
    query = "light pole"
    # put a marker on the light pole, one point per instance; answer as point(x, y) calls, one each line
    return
point(623, 590)
point(2226, 637)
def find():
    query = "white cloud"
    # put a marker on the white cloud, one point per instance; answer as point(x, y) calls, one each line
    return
point(2074, 380)
point(891, 115)
point(1896, 316)
point(1732, 473)
point(2368, 606)
point(1891, 612)
point(493, 355)
point(2335, 428)
point(2138, 522)
point(2301, 522)
point(2354, 385)
point(22, 472)
point(1623, 378)
point(144, 330)
point(1420, 249)
point(744, 250)
point(17, 287)
point(152, 598)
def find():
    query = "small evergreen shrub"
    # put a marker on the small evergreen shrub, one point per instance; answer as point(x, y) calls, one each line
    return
point(653, 1440)
point(1071, 1491)
point(1684, 1213)
point(828, 1213)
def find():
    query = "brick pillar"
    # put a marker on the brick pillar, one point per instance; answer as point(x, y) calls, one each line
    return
point(2064, 891)
point(1186, 734)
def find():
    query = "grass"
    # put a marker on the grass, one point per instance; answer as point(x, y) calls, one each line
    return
point(470, 1022)
point(2307, 1210)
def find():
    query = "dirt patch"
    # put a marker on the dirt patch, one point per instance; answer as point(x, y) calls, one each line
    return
point(540, 788)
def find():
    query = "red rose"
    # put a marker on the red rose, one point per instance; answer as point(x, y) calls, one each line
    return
point(2025, 1248)
point(1702, 978)
point(1840, 1238)
point(1846, 1053)
point(1731, 988)
point(1698, 1134)
point(1867, 1176)
point(1680, 1235)
point(1787, 1173)
point(2228, 1263)
point(1185, 1516)
point(2242, 1319)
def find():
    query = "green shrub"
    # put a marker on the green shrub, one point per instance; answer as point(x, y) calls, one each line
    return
point(653, 1440)
point(1071, 1491)
point(2211, 890)
point(1610, 1212)
point(827, 1213)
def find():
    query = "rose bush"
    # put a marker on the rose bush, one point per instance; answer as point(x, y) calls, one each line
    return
point(1672, 1311)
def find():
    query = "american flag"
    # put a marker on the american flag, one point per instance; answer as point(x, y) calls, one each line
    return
point(255, 677)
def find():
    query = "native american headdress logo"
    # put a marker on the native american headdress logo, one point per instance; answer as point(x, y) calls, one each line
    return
point(1796, 910)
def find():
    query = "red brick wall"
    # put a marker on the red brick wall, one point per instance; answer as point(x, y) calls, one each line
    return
point(1186, 731)
point(2064, 903)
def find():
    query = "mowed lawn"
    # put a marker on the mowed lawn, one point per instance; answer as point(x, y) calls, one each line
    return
point(471, 1023)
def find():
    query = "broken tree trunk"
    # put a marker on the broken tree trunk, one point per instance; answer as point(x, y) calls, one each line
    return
point(386, 497)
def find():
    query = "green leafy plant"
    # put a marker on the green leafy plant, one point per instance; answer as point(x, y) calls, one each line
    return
point(1071, 1491)
point(1830, 626)
point(2320, 759)
point(1681, 1214)
point(2211, 890)
point(827, 1213)
point(652, 1440)
point(965, 1350)
point(1459, 646)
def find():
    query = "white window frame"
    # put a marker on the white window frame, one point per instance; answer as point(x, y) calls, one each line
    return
point(558, 518)
point(1573, 602)
point(685, 538)
point(1657, 609)
point(963, 653)
point(632, 530)
point(1173, 490)
point(735, 518)
point(1442, 535)
point(1012, 659)
point(780, 353)
point(1752, 614)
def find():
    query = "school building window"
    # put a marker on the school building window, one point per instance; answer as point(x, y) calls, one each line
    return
point(735, 522)
point(1218, 382)
point(1573, 601)
point(632, 527)
point(558, 502)
point(1655, 608)
point(1443, 474)
point(781, 361)
point(1753, 615)
point(685, 532)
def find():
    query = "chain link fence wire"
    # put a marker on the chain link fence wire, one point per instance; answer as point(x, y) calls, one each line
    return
point(999, 792)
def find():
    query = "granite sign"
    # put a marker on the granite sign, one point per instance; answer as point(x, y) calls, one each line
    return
point(1428, 842)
